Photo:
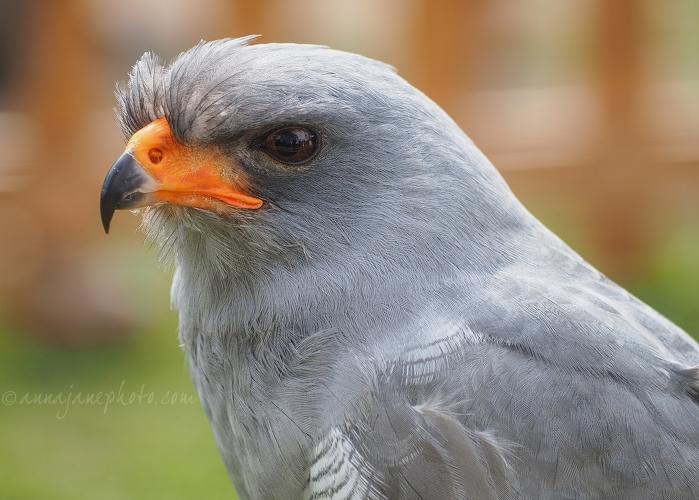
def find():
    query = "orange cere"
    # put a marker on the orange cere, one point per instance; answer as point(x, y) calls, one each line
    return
point(194, 177)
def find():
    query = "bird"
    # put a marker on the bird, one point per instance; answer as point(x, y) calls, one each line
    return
point(367, 309)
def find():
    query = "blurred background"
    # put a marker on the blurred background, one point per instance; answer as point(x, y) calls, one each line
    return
point(590, 109)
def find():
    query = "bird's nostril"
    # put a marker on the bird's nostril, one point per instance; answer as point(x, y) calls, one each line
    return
point(155, 155)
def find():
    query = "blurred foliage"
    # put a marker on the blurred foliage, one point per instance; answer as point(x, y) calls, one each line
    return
point(671, 284)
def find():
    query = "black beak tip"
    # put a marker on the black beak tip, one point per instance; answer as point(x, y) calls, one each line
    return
point(109, 200)
point(107, 212)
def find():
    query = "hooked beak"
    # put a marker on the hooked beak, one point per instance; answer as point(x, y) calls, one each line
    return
point(127, 185)
point(155, 168)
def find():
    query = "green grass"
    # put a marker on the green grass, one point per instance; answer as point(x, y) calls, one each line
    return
point(155, 447)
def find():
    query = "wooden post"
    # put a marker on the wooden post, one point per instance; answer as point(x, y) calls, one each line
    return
point(619, 180)
point(449, 45)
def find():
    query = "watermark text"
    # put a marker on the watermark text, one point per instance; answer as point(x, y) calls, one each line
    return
point(64, 401)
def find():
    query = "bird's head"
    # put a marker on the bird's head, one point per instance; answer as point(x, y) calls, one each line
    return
point(257, 159)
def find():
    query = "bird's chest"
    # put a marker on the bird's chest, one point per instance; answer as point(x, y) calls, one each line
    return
point(256, 422)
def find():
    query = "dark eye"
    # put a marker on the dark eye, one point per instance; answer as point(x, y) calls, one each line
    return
point(291, 145)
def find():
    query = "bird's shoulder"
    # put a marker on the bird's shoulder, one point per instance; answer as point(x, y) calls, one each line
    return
point(517, 375)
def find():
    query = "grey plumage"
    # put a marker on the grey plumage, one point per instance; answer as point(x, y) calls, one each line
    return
point(392, 323)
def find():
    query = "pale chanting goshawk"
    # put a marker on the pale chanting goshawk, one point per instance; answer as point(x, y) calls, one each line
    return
point(368, 310)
